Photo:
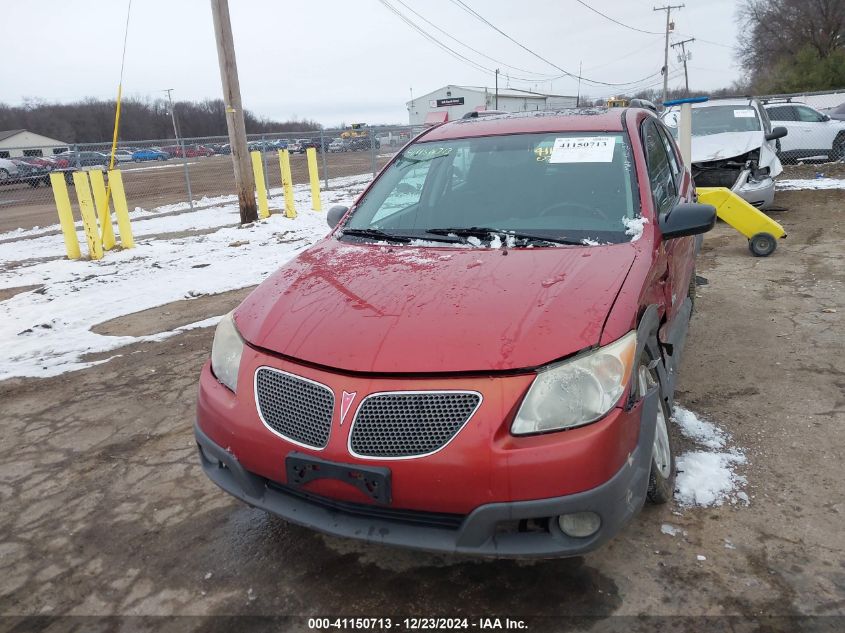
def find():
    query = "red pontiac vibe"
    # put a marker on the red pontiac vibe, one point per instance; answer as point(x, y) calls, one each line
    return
point(481, 356)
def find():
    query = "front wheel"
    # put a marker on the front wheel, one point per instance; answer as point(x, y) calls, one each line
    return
point(661, 479)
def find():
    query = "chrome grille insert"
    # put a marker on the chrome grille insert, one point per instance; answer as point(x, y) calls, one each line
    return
point(403, 424)
point(298, 409)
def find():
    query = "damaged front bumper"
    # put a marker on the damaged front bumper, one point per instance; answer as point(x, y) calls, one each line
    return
point(757, 191)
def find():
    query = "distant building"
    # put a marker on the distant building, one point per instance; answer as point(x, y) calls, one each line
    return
point(25, 143)
point(452, 102)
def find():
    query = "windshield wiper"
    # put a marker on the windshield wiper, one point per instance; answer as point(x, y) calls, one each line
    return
point(486, 232)
point(377, 234)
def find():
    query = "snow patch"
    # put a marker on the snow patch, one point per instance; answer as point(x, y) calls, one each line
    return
point(707, 477)
point(793, 184)
point(635, 227)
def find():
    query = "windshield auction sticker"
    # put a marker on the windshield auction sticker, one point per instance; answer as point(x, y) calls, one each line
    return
point(744, 114)
point(583, 149)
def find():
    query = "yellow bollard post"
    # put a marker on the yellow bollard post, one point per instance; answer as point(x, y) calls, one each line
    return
point(311, 152)
point(89, 216)
point(57, 181)
point(258, 172)
point(120, 209)
point(98, 185)
point(287, 183)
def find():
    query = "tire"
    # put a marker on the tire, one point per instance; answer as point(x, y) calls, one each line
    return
point(4, 175)
point(661, 479)
point(838, 152)
point(136, 160)
point(762, 244)
point(161, 158)
point(34, 183)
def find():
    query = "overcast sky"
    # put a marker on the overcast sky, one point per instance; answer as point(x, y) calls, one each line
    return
point(347, 60)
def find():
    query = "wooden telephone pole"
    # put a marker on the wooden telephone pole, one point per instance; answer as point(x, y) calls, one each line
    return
point(669, 27)
point(244, 179)
point(685, 57)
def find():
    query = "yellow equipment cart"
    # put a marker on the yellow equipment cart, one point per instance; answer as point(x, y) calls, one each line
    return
point(761, 230)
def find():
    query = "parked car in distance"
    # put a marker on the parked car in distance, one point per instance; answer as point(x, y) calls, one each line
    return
point(837, 113)
point(191, 151)
point(361, 142)
point(733, 146)
point(122, 156)
point(30, 172)
point(812, 134)
point(8, 171)
point(338, 145)
point(78, 159)
point(508, 300)
point(149, 154)
point(294, 147)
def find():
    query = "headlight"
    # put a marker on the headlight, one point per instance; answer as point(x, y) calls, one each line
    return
point(226, 352)
point(578, 391)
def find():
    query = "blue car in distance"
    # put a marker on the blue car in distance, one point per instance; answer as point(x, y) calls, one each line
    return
point(149, 153)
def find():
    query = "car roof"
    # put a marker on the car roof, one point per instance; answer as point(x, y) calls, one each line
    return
point(574, 120)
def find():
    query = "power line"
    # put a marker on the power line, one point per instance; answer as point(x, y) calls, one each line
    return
point(476, 51)
point(607, 17)
point(443, 46)
point(565, 72)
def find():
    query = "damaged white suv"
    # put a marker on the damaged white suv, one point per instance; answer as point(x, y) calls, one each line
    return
point(733, 146)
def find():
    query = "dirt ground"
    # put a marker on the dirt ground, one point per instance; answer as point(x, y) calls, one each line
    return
point(106, 510)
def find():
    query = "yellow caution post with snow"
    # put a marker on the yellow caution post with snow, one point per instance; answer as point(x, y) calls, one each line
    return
point(101, 199)
point(761, 230)
point(287, 183)
point(89, 215)
point(260, 187)
point(57, 181)
point(311, 153)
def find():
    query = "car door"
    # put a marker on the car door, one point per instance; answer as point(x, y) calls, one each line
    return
point(665, 177)
point(815, 129)
point(786, 116)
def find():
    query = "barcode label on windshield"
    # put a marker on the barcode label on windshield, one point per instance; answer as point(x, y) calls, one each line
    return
point(583, 149)
point(744, 114)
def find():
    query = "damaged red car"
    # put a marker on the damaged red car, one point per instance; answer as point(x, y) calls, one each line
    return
point(480, 356)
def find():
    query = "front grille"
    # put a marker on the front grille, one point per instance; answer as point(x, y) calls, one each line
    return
point(408, 517)
point(297, 409)
point(395, 425)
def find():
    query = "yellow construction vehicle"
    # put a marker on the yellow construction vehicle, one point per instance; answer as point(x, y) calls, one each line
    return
point(617, 102)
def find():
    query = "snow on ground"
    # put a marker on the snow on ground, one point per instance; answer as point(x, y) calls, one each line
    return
point(47, 331)
point(707, 477)
point(790, 184)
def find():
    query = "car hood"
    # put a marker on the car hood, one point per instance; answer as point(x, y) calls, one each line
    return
point(403, 309)
point(725, 145)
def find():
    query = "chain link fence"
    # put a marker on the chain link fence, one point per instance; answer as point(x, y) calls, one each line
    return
point(194, 172)
point(815, 123)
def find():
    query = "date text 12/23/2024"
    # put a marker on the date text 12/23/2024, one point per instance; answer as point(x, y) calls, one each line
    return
point(415, 624)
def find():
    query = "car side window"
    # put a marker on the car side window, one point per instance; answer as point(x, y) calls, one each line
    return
point(808, 115)
point(672, 153)
point(764, 117)
point(782, 113)
point(663, 187)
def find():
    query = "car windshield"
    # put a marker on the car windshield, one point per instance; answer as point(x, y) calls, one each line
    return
point(717, 120)
point(573, 187)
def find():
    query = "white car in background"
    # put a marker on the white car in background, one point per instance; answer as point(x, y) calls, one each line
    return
point(8, 170)
point(733, 146)
point(812, 134)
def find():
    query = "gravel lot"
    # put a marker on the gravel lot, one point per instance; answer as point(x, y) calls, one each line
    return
point(106, 511)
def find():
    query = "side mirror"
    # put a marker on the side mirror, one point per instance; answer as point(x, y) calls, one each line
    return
point(825, 118)
point(687, 219)
point(776, 133)
point(335, 214)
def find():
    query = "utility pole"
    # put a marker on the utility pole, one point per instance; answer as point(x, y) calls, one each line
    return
point(497, 89)
point(578, 98)
point(668, 9)
point(181, 145)
point(684, 57)
point(244, 178)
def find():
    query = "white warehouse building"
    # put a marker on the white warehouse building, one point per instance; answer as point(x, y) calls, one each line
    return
point(452, 102)
point(15, 143)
